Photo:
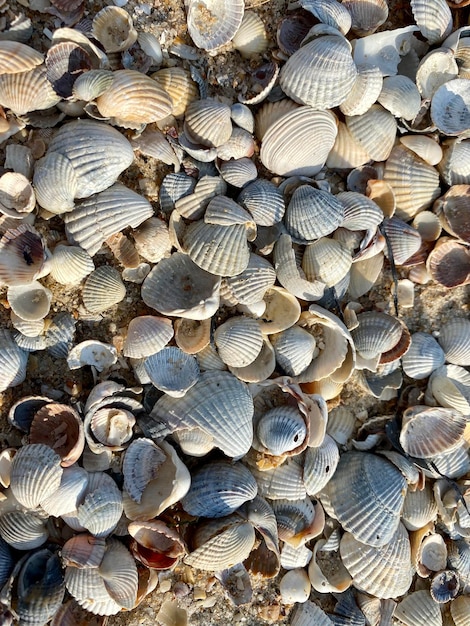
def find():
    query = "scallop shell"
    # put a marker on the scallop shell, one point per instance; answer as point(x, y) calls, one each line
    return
point(90, 85)
point(449, 107)
point(27, 91)
point(35, 474)
point(113, 28)
point(321, 73)
point(141, 464)
point(178, 84)
point(147, 335)
point(383, 571)
point(281, 483)
point(424, 356)
point(103, 289)
point(238, 341)
point(104, 209)
point(377, 333)
point(13, 362)
point(320, 465)
point(194, 293)
point(152, 239)
point(434, 19)
point(366, 17)
point(400, 96)
point(56, 183)
point(101, 508)
point(210, 406)
point(449, 263)
point(264, 201)
point(454, 340)
point(238, 172)
point(251, 37)
point(212, 23)
point(454, 165)
point(30, 302)
point(294, 349)
point(218, 489)
point(69, 494)
point(281, 430)
point(451, 210)
point(261, 368)
point(249, 286)
point(418, 609)
point(309, 613)
point(419, 508)
point(428, 432)
point(90, 352)
point(280, 150)
point(364, 482)
point(172, 371)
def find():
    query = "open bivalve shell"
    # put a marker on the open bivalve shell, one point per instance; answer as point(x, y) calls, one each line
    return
point(418, 609)
point(212, 23)
point(427, 432)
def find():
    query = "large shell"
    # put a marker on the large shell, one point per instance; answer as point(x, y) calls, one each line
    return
point(449, 107)
point(23, 530)
point(27, 91)
point(264, 201)
point(147, 335)
point(35, 474)
point(366, 486)
point(424, 356)
point(294, 349)
point(280, 149)
point(321, 73)
point(16, 57)
point(211, 406)
point(419, 609)
point(281, 430)
point(400, 96)
point(213, 23)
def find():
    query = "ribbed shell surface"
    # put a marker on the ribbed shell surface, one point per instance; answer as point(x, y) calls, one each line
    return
point(264, 201)
point(320, 465)
point(98, 153)
point(367, 493)
point(238, 341)
point(218, 489)
point(70, 264)
point(35, 474)
point(103, 289)
point(13, 362)
point(55, 183)
point(250, 285)
point(433, 18)
point(312, 213)
point(321, 73)
point(23, 530)
point(173, 371)
point(220, 405)
point(454, 337)
point(27, 91)
point(104, 214)
point(418, 609)
point(146, 335)
point(423, 357)
point(213, 23)
point(17, 57)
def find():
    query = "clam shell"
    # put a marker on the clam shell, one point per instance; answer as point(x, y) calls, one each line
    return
point(251, 37)
point(298, 521)
point(103, 289)
point(239, 145)
point(434, 19)
point(147, 335)
point(291, 558)
point(172, 371)
point(141, 465)
point(218, 489)
point(113, 28)
point(281, 430)
point(23, 530)
point(103, 209)
point(178, 84)
point(294, 586)
point(156, 545)
point(65, 61)
point(239, 172)
point(264, 201)
point(98, 153)
point(329, 12)
point(238, 341)
point(90, 85)
point(400, 96)
point(134, 98)
point(88, 589)
point(321, 73)
point(309, 613)
point(55, 182)
point(281, 483)
point(192, 336)
point(360, 212)
point(60, 335)
point(312, 213)
point(208, 122)
point(365, 91)
point(280, 150)
point(13, 362)
point(61, 428)
point(460, 610)
point(383, 571)
point(152, 239)
point(346, 152)
point(452, 98)
point(418, 609)
point(375, 130)
point(428, 432)
point(435, 68)
point(444, 586)
point(16, 195)
point(290, 275)
point(294, 349)
point(210, 406)
point(425, 147)
point(17, 57)
point(449, 263)
point(31, 302)
point(261, 368)
point(282, 311)
point(70, 264)
point(35, 474)
point(454, 340)
point(22, 255)
point(194, 293)
point(364, 482)
point(424, 356)
point(327, 261)
point(213, 24)
point(366, 17)
point(454, 165)
point(320, 465)
point(27, 91)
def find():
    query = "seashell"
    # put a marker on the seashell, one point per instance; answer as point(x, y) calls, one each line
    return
point(17, 57)
point(65, 61)
point(192, 336)
point(312, 213)
point(219, 544)
point(281, 430)
point(242, 116)
point(239, 172)
point(424, 356)
point(61, 428)
point(22, 255)
point(298, 521)
point(27, 91)
point(90, 85)
point(261, 368)
point(147, 335)
point(327, 261)
point(16, 195)
point(400, 96)
point(364, 482)
point(346, 152)
point(449, 263)
point(433, 553)
point(444, 586)
point(383, 49)
point(292, 558)
point(428, 226)
point(435, 68)
point(81, 223)
point(151, 46)
point(264, 201)
point(134, 98)
point(90, 352)
point(153, 143)
point(19, 159)
point(453, 167)
point(179, 86)
point(419, 508)
point(35, 474)
point(83, 551)
point(452, 97)
point(451, 211)
point(70, 264)
point(294, 349)
point(414, 182)
point(59, 335)
point(172, 371)
point(377, 333)
point(238, 341)
point(360, 212)
point(239, 145)
point(318, 129)
point(365, 91)
point(109, 427)
point(101, 507)
point(98, 153)
point(211, 24)
point(321, 73)
point(250, 38)
point(23, 530)
point(210, 406)
point(427, 432)
point(155, 544)
point(103, 289)
point(390, 564)
point(320, 465)
point(280, 483)
point(425, 147)
point(174, 187)
point(113, 28)
point(218, 489)
point(152, 240)
point(294, 586)
point(141, 464)
point(329, 12)
point(270, 112)
point(459, 609)
point(434, 21)
point(194, 293)
point(192, 206)
point(282, 311)
point(218, 248)
point(41, 587)
point(453, 338)
point(260, 83)
point(374, 130)
point(208, 122)
point(71, 490)
point(55, 182)
point(31, 302)
point(309, 613)
point(366, 17)
point(417, 609)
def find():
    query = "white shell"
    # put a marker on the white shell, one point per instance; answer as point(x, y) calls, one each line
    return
point(450, 111)
point(30, 302)
point(90, 352)
point(433, 18)
point(103, 288)
point(70, 264)
point(35, 474)
point(239, 341)
point(213, 23)
point(172, 371)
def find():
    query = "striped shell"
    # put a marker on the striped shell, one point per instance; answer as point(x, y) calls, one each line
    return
point(35, 474)
point(103, 289)
point(238, 341)
point(208, 122)
point(27, 91)
point(428, 432)
point(147, 335)
point(172, 371)
point(454, 339)
point(433, 18)
point(16, 57)
point(281, 430)
point(450, 111)
point(70, 264)
point(213, 23)
point(424, 356)
point(179, 86)
point(320, 465)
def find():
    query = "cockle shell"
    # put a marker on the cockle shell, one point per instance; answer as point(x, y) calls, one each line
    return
point(418, 609)
point(264, 201)
point(155, 544)
point(281, 430)
point(375, 130)
point(17, 57)
point(365, 91)
point(172, 371)
point(366, 17)
point(309, 613)
point(90, 85)
point(320, 465)
point(22, 255)
point(212, 23)
point(424, 356)
point(449, 263)
point(147, 335)
point(27, 91)
point(250, 38)
point(434, 20)
point(69, 494)
point(451, 211)
point(179, 86)
point(327, 261)
point(23, 530)
point(428, 432)
point(113, 28)
point(454, 340)
point(294, 349)
point(208, 122)
point(60, 427)
point(16, 195)
point(453, 97)
point(312, 213)
point(31, 302)
point(70, 264)
point(400, 96)
point(238, 341)
point(102, 289)
point(35, 474)
point(55, 182)
point(283, 482)
point(90, 352)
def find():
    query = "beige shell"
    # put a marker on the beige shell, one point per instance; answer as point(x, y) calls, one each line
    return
point(192, 336)
point(134, 98)
point(208, 122)
point(251, 37)
point(103, 289)
point(27, 91)
point(460, 610)
point(213, 23)
point(261, 368)
point(290, 275)
point(424, 146)
point(31, 301)
point(347, 152)
point(280, 149)
point(270, 112)
point(374, 130)
point(454, 340)
point(449, 263)
point(17, 57)
point(326, 260)
point(147, 335)
point(365, 91)
point(16, 195)
point(70, 264)
point(418, 609)
point(367, 16)
point(113, 28)
point(178, 84)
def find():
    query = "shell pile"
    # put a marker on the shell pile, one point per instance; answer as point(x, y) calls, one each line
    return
point(213, 428)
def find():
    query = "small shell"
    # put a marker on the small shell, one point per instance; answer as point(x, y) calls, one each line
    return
point(55, 182)
point(294, 586)
point(312, 213)
point(261, 368)
point(435, 68)
point(281, 430)
point(192, 336)
point(365, 91)
point(454, 340)
point(147, 335)
point(113, 28)
point(320, 465)
point(238, 172)
point(309, 613)
point(428, 432)
point(449, 263)
point(152, 239)
point(65, 62)
point(16, 195)
point(22, 255)
point(425, 147)
point(424, 356)
point(90, 352)
point(69, 494)
point(101, 507)
point(377, 333)
point(434, 20)
point(375, 130)
point(250, 38)
point(451, 210)
point(60, 335)
point(141, 464)
point(172, 371)
point(70, 264)
point(444, 586)
point(419, 508)
point(61, 428)
point(213, 24)
point(418, 609)
point(30, 302)
point(239, 341)
point(218, 489)
point(366, 17)
point(326, 260)
point(90, 85)
point(294, 349)
point(281, 483)
point(179, 86)
point(155, 544)
point(452, 97)
point(264, 201)
point(35, 474)
point(282, 311)
point(177, 286)
point(208, 122)
point(103, 289)
point(400, 96)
